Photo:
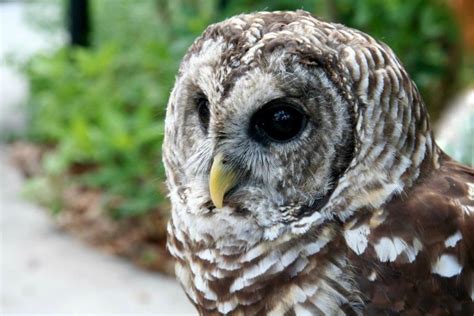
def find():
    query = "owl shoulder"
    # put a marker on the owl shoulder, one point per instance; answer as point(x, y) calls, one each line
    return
point(416, 253)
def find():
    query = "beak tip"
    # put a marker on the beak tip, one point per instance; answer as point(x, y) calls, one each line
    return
point(221, 180)
point(217, 201)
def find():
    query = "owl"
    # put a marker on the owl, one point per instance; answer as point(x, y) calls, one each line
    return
point(305, 180)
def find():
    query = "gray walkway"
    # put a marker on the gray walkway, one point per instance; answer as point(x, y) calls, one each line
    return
point(44, 270)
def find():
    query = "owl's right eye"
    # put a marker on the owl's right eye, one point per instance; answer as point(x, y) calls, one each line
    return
point(202, 104)
point(277, 121)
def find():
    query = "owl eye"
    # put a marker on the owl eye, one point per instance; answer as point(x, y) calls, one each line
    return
point(203, 111)
point(277, 121)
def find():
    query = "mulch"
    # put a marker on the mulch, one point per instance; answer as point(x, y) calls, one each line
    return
point(140, 239)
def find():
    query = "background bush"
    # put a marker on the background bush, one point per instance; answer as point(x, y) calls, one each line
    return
point(101, 109)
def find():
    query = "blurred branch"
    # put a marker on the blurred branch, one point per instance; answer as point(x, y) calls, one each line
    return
point(79, 22)
point(331, 10)
point(222, 4)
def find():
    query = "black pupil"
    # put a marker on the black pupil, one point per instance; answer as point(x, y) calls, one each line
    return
point(279, 122)
point(203, 112)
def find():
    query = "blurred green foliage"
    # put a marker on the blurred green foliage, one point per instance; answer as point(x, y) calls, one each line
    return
point(102, 108)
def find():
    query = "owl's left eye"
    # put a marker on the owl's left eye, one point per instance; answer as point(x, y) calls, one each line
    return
point(277, 121)
point(202, 104)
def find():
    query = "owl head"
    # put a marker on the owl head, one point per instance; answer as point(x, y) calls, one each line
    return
point(279, 122)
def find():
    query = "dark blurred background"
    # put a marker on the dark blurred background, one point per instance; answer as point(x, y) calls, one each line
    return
point(92, 140)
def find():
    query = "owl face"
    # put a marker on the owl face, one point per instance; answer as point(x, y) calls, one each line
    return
point(263, 135)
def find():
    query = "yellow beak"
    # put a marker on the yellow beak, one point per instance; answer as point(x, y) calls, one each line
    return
point(221, 180)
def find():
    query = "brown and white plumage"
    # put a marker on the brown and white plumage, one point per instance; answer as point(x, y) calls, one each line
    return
point(420, 254)
point(358, 212)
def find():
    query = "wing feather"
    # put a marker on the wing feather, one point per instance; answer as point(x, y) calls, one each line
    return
point(420, 253)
